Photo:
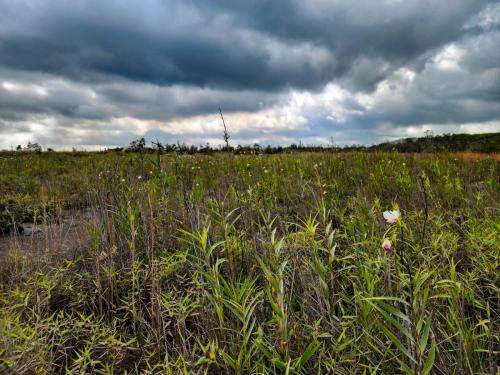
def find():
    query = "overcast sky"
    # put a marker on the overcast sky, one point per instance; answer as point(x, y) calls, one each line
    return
point(97, 73)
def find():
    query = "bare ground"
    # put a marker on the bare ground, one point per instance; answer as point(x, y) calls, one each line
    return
point(64, 235)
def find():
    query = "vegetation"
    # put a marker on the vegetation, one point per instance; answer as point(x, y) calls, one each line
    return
point(477, 143)
point(489, 142)
point(263, 264)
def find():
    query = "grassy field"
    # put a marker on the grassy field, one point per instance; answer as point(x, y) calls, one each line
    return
point(257, 264)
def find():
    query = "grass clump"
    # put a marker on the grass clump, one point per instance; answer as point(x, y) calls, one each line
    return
point(255, 264)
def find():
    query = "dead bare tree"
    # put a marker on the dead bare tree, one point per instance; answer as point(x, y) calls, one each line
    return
point(226, 134)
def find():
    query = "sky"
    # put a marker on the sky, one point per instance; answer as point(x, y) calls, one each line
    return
point(92, 74)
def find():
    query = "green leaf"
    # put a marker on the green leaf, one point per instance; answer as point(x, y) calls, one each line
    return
point(393, 311)
point(392, 337)
point(393, 321)
point(429, 362)
point(311, 348)
point(229, 360)
point(422, 343)
point(405, 367)
point(382, 298)
point(344, 345)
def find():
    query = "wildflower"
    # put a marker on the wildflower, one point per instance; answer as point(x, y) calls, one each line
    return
point(139, 177)
point(211, 355)
point(123, 180)
point(391, 216)
point(386, 245)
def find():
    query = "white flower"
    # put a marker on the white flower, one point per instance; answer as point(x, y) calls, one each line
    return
point(391, 216)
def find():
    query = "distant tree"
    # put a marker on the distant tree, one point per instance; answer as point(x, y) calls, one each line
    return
point(34, 147)
point(158, 146)
point(137, 145)
point(226, 134)
point(206, 149)
point(170, 147)
point(332, 143)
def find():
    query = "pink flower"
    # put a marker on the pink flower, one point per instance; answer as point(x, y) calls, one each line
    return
point(386, 245)
point(391, 216)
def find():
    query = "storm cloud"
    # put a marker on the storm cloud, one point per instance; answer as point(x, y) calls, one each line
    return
point(99, 73)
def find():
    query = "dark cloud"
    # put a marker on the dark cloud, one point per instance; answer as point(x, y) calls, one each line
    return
point(34, 93)
point(88, 41)
point(83, 71)
point(266, 45)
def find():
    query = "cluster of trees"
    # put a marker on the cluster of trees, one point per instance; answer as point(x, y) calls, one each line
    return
point(140, 145)
point(430, 143)
point(488, 142)
point(31, 147)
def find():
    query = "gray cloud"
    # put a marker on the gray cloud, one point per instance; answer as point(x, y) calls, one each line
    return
point(87, 70)
point(166, 44)
point(259, 44)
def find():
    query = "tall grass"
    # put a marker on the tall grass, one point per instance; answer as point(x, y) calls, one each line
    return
point(252, 264)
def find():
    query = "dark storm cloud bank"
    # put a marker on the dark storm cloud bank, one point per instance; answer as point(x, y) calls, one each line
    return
point(362, 36)
point(264, 45)
point(176, 44)
point(81, 65)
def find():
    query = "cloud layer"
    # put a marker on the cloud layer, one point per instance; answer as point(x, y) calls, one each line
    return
point(89, 73)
